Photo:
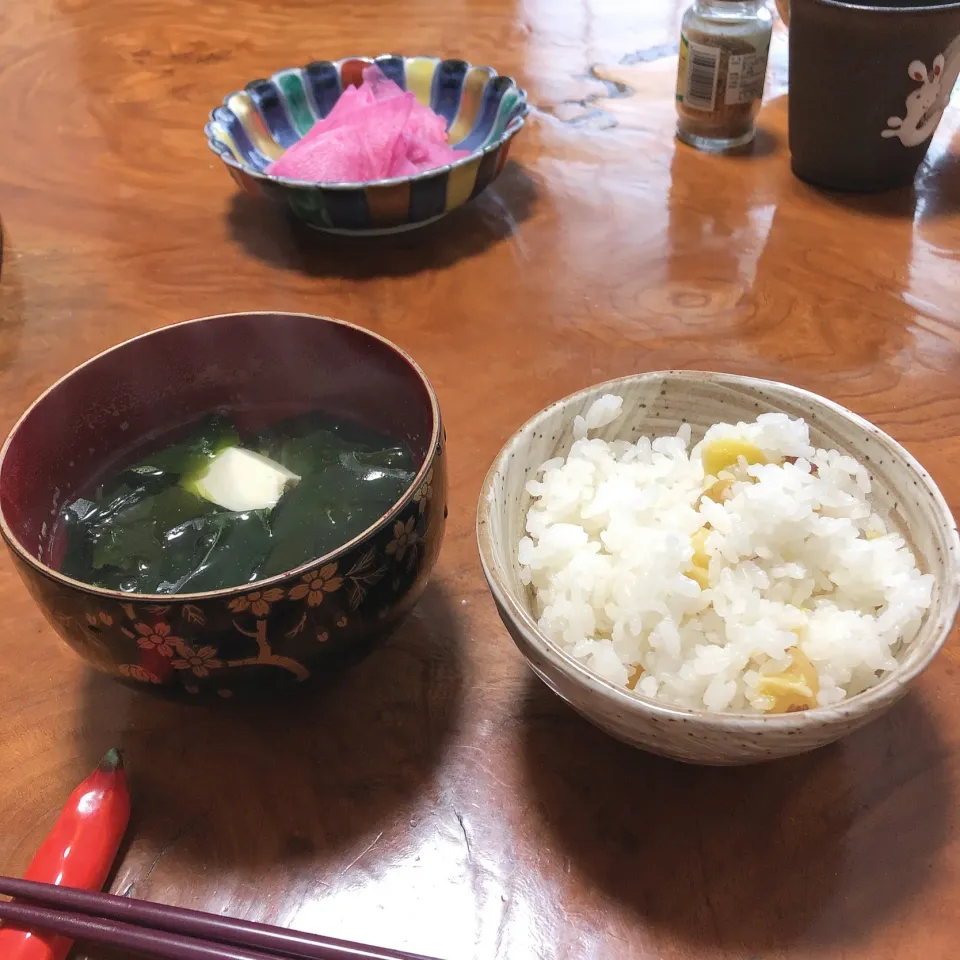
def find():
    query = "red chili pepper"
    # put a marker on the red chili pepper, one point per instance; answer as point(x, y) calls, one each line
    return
point(78, 852)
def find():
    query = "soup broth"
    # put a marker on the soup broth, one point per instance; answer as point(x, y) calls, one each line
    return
point(163, 524)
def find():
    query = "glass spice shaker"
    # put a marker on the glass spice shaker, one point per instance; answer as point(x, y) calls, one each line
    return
point(723, 64)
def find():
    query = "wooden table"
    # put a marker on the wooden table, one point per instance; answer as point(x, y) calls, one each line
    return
point(441, 799)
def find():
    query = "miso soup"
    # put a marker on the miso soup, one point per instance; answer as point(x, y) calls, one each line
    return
point(216, 509)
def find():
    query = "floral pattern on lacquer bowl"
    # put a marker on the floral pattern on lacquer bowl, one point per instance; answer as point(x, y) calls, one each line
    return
point(304, 624)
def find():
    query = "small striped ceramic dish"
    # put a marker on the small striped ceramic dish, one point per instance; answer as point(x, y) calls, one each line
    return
point(483, 110)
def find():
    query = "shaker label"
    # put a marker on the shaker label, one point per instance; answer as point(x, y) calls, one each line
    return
point(698, 82)
point(745, 76)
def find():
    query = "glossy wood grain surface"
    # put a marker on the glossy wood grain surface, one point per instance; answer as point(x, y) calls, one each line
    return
point(439, 798)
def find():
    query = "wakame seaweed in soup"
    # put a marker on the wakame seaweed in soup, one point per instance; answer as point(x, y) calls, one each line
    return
point(297, 490)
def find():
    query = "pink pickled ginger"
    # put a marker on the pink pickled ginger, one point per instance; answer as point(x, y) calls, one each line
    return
point(374, 132)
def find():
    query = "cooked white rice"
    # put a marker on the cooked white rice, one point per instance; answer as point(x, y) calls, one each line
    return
point(795, 559)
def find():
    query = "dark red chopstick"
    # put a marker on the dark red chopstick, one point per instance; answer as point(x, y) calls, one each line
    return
point(156, 944)
point(160, 920)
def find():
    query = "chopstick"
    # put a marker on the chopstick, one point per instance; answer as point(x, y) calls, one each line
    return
point(156, 944)
point(163, 931)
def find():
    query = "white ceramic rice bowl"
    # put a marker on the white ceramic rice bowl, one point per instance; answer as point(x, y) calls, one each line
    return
point(655, 404)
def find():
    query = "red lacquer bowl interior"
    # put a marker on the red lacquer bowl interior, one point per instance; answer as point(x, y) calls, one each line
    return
point(260, 367)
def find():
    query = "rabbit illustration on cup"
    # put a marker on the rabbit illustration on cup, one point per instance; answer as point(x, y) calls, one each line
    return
point(925, 104)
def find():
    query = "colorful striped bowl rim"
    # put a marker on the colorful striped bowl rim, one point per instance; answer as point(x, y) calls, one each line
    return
point(253, 126)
